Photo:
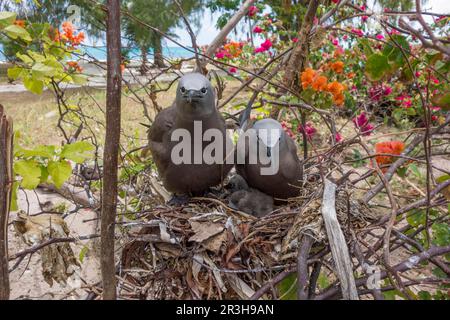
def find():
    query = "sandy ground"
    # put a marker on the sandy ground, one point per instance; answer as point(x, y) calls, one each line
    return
point(27, 281)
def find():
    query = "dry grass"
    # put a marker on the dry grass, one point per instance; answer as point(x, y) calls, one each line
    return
point(36, 116)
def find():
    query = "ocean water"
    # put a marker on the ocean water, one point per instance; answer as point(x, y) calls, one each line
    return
point(99, 53)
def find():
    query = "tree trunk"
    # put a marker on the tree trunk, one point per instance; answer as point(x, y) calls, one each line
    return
point(6, 139)
point(298, 58)
point(144, 66)
point(111, 151)
point(299, 54)
point(157, 50)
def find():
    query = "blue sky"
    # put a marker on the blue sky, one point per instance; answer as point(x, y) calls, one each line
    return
point(208, 30)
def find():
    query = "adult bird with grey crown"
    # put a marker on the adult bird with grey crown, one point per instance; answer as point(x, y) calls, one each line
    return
point(277, 146)
point(194, 104)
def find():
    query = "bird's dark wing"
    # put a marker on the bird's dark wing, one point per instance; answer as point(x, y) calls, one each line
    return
point(291, 165)
point(158, 133)
point(163, 123)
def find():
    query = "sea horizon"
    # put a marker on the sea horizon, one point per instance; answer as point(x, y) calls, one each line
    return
point(99, 53)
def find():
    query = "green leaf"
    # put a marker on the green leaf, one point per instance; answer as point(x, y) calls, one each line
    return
point(288, 287)
point(322, 281)
point(367, 47)
point(35, 86)
point(442, 100)
point(424, 295)
point(43, 151)
point(415, 170)
point(7, 18)
point(402, 172)
point(443, 178)
point(441, 234)
point(14, 206)
point(393, 52)
point(79, 79)
point(83, 252)
point(15, 72)
point(377, 66)
point(416, 218)
point(44, 174)
point(41, 71)
point(438, 272)
point(60, 171)
point(30, 172)
point(24, 58)
point(17, 32)
point(78, 151)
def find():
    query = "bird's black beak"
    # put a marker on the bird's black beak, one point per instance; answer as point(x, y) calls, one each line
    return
point(269, 152)
point(191, 94)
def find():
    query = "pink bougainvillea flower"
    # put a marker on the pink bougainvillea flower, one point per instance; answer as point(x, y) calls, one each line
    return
point(379, 37)
point(259, 50)
point(266, 44)
point(258, 29)
point(345, 37)
point(375, 93)
point(315, 21)
point(358, 32)
point(434, 117)
point(434, 79)
point(393, 31)
point(309, 130)
point(287, 127)
point(338, 137)
point(220, 55)
point(387, 91)
point(252, 11)
point(363, 8)
point(336, 1)
point(295, 40)
point(407, 103)
point(417, 74)
point(364, 18)
point(233, 70)
point(436, 108)
point(335, 42)
point(362, 123)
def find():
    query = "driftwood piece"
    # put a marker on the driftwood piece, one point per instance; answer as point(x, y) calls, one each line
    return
point(339, 248)
point(6, 140)
point(72, 193)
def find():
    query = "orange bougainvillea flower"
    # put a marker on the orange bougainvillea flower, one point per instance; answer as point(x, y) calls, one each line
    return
point(233, 48)
point(307, 77)
point(339, 99)
point(20, 23)
point(335, 87)
point(388, 147)
point(337, 66)
point(320, 83)
point(351, 75)
point(74, 66)
point(69, 34)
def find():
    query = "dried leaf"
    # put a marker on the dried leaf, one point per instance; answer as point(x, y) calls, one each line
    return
point(204, 230)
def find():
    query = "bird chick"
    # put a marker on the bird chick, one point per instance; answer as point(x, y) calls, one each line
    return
point(247, 199)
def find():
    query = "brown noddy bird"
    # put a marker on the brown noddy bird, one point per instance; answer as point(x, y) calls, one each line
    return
point(194, 104)
point(285, 182)
point(247, 199)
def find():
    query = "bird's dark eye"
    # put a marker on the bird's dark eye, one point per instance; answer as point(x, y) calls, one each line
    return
point(183, 89)
point(203, 90)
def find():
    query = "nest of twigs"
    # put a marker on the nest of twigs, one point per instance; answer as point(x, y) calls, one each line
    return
point(207, 250)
